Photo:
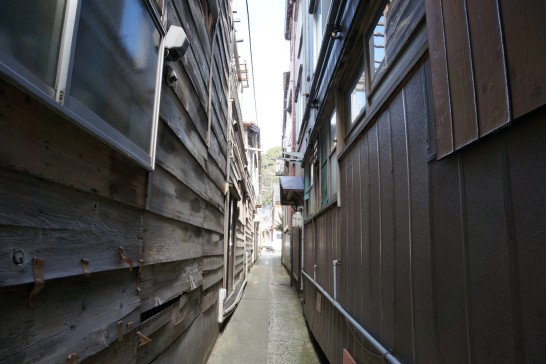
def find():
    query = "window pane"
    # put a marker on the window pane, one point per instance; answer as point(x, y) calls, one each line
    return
point(30, 32)
point(377, 47)
point(115, 65)
point(306, 182)
point(358, 96)
point(324, 183)
point(333, 174)
point(324, 148)
point(333, 136)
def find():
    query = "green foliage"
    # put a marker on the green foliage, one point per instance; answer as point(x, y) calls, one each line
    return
point(268, 178)
point(278, 222)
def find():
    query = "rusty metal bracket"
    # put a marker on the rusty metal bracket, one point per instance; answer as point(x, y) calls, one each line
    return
point(39, 282)
point(125, 259)
point(120, 331)
point(85, 267)
point(144, 340)
point(72, 358)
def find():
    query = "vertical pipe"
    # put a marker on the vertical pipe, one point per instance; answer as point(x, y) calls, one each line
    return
point(221, 298)
point(291, 254)
point(294, 43)
point(335, 263)
point(302, 249)
point(334, 278)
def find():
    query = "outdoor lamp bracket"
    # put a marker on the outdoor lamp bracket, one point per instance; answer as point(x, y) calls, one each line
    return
point(176, 43)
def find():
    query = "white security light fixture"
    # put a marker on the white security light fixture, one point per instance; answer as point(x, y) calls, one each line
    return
point(176, 43)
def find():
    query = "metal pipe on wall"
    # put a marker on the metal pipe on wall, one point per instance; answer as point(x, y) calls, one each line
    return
point(302, 251)
point(380, 348)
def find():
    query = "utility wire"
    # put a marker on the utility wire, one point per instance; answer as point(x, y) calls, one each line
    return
point(251, 62)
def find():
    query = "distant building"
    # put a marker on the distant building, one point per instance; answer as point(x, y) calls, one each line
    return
point(419, 130)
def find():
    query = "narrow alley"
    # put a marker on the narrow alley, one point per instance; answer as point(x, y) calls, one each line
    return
point(268, 326)
point(154, 154)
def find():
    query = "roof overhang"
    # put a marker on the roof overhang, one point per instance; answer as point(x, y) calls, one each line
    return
point(291, 190)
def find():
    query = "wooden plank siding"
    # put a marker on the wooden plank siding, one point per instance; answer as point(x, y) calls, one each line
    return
point(439, 223)
point(485, 66)
point(524, 27)
point(67, 196)
point(443, 265)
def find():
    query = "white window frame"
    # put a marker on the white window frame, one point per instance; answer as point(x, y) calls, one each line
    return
point(89, 121)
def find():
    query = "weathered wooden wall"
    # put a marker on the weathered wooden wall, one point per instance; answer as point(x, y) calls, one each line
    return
point(440, 257)
point(485, 58)
point(66, 196)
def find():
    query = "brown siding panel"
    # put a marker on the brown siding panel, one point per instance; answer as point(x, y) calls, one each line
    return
point(524, 29)
point(388, 248)
point(525, 192)
point(448, 260)
point(488, 63)
point(440, 77)
point(490, 304)
point(375, 238)
point(419, 218)
point(404, 298)
point(461, 86)
point(364, 244)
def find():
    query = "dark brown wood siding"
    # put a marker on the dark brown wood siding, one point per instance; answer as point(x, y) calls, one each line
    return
point(485, 66)
point(438, 257)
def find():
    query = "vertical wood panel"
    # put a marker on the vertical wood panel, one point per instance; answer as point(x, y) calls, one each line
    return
point(461, 87)
point(417, 130)
point(488, 257)
point(388, 249)
point(364, 254)
point(344, 279)
point(375, 239)
point(351, 238)
point(526, 191)
point(524, 29)
point(488, 63)
point(440, 77)
point(357, 239)
point(449, 262)
point(404, 303)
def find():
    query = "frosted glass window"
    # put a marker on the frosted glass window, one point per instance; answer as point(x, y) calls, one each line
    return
point(115, 66)
point(33, 41)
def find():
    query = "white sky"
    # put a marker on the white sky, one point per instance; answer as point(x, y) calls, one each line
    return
point(271, 59)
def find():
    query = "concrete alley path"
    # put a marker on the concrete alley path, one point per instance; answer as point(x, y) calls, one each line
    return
point(268, 326)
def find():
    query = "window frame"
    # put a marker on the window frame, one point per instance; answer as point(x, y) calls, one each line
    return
point(59, 99)
point(321, 168)
point(355, 72)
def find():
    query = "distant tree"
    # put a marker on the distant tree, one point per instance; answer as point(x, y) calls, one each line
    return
point(268, 178)
point(278, 222)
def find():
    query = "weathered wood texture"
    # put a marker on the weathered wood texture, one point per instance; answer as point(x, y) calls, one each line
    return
point(74, 315)
point(485, 66)
point(524, 29)
point(39, 142)
point(439, 257)
point(193, 346)
point(66, 196)
point(61, 226)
